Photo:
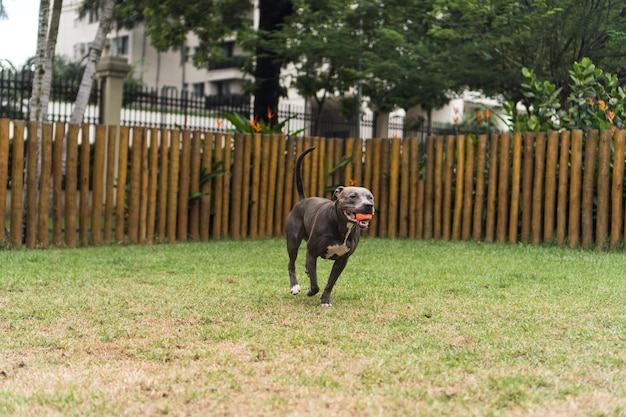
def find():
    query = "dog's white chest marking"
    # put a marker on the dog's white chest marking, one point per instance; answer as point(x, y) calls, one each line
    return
point(339, 249)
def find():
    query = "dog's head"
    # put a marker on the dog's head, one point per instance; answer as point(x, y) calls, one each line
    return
point(356, 204)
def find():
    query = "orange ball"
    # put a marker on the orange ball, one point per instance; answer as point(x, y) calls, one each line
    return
point(363, 216)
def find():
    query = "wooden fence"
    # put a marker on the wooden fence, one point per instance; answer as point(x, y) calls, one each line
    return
point(565, 188)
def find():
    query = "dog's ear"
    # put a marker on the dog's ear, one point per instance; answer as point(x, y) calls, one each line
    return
point(337, 191)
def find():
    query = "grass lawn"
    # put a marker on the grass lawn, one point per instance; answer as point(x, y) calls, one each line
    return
point(416, 329)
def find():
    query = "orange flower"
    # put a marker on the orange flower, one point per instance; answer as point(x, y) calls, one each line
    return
point(479, 117)
point(590, 101)
point(219, 123)
point(601, 104)
point(613, 129)
point(352, 182)
point(610, 115)
point(255, 125)
point(487, 114)
point(269, 113)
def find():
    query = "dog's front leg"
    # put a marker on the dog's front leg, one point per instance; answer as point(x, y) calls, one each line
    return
point(311, 271)
point(336, 270)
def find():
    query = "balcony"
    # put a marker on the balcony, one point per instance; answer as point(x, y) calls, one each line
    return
point(234, 62)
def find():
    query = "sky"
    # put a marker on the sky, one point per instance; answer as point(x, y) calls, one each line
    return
point(18, 33)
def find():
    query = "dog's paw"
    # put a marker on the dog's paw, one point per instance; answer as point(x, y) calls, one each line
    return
point(295, 290)
point(312, 291)
point(327, 305)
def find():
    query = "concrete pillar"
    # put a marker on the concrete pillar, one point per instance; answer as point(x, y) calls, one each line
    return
point(111, 72)
point(382, 125)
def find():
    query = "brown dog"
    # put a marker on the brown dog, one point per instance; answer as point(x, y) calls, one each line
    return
point(331, 228)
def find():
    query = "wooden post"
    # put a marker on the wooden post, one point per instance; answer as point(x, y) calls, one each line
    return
point(503, 189)
point(239, 165)
point(153, 168)
point(602, 212)
point(589, 173)
point(110, 181)
point(575, 189)
point(448, 186)
point(83, 204)
point(4, 172)
point(31, 185)
point(44, 181)
point(194, 186)
point(245, 197)
point(57, 184)
point(164, 175)
point(413, 186)
point(429, 185)
point(617, 190)
point(527, 186)
point(438, 189)
point(516, 176)
point(479, 201)
point(468, 189)
point(256, 181)
point(394, 180)
point(492, 190)
point(183, 193)
point(172, 185)
point(17, 182)
point(552, 156)
point(458, 195)
point(71, 180)
point(134, 199)
point(562, 206)
point(537, 211)
point(98, 184)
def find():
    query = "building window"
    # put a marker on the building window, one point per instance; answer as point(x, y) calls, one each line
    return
point(198, 90)
point(92, 16)
point(229, 49)
point(121, 45)
point(222, 88)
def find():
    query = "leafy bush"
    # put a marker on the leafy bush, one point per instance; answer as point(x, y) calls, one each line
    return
point(596, 101)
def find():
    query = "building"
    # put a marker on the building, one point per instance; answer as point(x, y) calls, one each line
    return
point(161, 70)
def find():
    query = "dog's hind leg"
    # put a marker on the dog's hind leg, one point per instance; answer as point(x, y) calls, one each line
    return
point(293, 279)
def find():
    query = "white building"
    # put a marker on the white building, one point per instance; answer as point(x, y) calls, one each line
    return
point(171, 69)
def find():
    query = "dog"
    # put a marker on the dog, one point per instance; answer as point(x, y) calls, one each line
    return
point(331, 228)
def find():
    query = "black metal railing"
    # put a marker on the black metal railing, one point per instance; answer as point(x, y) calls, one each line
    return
point(16, 89)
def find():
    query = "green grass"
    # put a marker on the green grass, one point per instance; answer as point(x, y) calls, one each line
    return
point(416, 329)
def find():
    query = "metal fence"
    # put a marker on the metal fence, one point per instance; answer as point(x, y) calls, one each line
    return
point(170, 108)
point(16, 89)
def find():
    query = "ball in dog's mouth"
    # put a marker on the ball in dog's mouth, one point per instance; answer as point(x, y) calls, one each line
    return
point(361, 219)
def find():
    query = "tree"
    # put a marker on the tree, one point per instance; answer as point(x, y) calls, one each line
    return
point(490, 42)
point(40, 61)
point(104, 27)
point(268, 63)
point(319, 41)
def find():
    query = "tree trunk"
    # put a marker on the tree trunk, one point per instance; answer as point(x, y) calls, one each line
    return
point(82, 98)
point(40, 61)
point(272, 13)
point(51, 45)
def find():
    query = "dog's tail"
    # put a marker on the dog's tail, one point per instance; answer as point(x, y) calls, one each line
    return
point(299, 184)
